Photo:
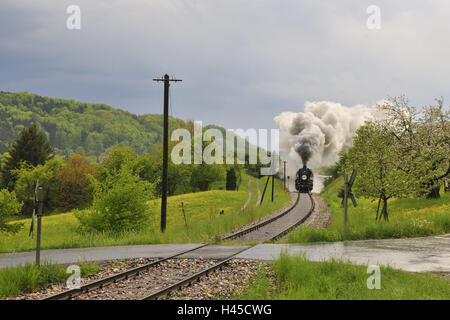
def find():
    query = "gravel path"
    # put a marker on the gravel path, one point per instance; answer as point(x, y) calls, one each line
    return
point(272, 229)
point(259, 194)
point(249, 197)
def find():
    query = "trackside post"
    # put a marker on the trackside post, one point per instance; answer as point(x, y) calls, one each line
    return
point(40, 205)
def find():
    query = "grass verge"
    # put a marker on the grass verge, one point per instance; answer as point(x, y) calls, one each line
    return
point(20, 279)
point(300, 279)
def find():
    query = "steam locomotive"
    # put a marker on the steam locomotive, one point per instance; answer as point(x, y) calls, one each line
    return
point(304, 180)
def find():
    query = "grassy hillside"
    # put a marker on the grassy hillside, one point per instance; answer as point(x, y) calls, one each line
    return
point(203, 221)
point(72, 126)
point(79, 127)
point(408, 218)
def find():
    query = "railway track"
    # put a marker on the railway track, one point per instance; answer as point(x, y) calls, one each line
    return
point(291, 220)
point(196, 277)
point(298, 222)
point(146, 270)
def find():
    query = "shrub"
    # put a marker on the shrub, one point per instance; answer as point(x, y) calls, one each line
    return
point(74, 184)
point(231, 179)
point(26, 183)
point(8, 207)
point(120, 204)
point(203, 175)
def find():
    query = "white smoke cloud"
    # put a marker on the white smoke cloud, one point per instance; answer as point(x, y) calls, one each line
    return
point(318, 134)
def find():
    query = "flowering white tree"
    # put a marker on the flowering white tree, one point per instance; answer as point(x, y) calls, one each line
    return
point(375, 155)
point(423, 140)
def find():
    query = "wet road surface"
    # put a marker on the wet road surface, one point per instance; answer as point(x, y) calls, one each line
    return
point(413, 254)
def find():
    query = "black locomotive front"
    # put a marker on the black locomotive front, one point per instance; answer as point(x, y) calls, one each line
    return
point(304, 180)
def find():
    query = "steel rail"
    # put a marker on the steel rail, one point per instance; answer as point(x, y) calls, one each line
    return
point(69, 294)
point(289, 229)
point(263, 223)
point(195, 277)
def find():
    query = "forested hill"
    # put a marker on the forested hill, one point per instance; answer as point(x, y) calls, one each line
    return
point(79, 127)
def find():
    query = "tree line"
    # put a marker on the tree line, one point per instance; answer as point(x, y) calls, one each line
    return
point(115, 188)
point(402, 154)
point(77, 127)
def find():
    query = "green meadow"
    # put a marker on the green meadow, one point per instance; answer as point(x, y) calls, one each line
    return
point(200, 223)
point(407, 218)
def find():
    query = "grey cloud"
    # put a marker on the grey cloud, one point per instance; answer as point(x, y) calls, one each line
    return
point(243, 62)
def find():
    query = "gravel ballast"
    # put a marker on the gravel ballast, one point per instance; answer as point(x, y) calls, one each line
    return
point(223, 284)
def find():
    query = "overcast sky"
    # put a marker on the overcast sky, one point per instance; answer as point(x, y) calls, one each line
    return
point(242, 61)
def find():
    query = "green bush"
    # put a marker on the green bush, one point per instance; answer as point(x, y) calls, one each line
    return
point(120, 204)
point(8, 207)
point(47, 176)
point(231, 179)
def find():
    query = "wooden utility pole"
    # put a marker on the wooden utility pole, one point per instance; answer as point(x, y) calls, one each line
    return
point(284, 178)
point(166, 80)
point(40, 203)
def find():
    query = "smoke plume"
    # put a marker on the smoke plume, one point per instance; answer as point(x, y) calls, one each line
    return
point(316, 136)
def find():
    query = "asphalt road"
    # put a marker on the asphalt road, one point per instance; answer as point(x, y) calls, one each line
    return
point(413, 254)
